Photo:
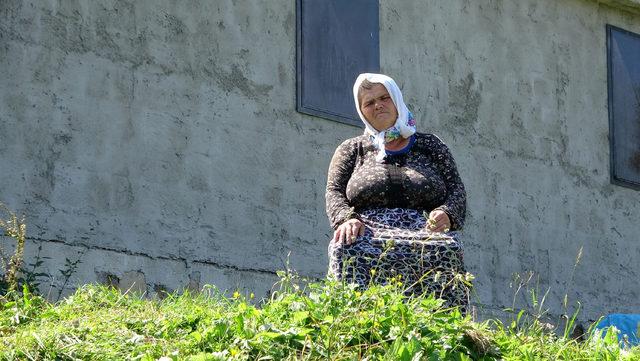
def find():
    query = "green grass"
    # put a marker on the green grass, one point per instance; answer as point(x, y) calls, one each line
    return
point(326, 320)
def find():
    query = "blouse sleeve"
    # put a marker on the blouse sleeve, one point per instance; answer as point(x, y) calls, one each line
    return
point(455, 204)
point(340, 170)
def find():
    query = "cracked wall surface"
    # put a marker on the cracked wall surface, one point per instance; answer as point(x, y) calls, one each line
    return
point(158, 142)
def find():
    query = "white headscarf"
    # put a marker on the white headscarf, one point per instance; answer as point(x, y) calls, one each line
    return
point(405, 125)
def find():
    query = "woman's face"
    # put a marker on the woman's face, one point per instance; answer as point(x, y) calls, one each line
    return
point(377, 107)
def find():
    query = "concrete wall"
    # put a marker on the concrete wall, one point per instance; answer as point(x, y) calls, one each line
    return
point(158, 142)
point(162, 137)
point(519, 91)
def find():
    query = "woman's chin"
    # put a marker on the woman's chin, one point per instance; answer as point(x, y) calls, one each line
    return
point(383, 124)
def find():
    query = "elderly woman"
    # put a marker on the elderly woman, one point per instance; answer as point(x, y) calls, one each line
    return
point(395, 200)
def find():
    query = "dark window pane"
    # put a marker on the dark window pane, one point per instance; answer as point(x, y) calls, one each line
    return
point(337, 40)
point(624, 105)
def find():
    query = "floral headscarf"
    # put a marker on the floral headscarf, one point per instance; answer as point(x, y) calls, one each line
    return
point(405, 125)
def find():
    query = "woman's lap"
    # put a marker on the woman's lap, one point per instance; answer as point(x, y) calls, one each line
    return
point(396, 243)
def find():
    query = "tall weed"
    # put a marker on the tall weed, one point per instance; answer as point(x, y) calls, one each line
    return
point(16, 229)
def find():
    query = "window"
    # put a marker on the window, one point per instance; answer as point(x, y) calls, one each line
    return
point(623, 48)
point(336, 41)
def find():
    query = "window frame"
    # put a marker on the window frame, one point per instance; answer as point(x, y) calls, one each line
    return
point(615, 178)
point(300, 65)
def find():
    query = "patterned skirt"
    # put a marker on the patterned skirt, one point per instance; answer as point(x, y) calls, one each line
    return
point(396, 243)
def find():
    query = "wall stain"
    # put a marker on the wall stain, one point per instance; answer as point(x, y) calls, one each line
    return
point(516, 119)
point(124, 196)
point(198, 183)
point(289, 23)
point(177, 30)
point(235, 79)
point(105, 41)
point(50, 155)
point(282, 74)
point(464, 101)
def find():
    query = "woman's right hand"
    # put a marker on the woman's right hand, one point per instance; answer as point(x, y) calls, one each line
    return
point(348, 231)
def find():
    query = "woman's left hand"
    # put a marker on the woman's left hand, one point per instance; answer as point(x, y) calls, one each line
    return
point(438, 221)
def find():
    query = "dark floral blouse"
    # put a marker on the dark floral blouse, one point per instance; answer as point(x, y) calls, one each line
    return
point(424, 178)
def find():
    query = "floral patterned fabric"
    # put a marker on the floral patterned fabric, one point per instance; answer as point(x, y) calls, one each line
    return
point(424, 178)
point(396, 243)
point(390, 199)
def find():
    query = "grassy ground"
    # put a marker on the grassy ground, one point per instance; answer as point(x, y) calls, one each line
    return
point(325, 321)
